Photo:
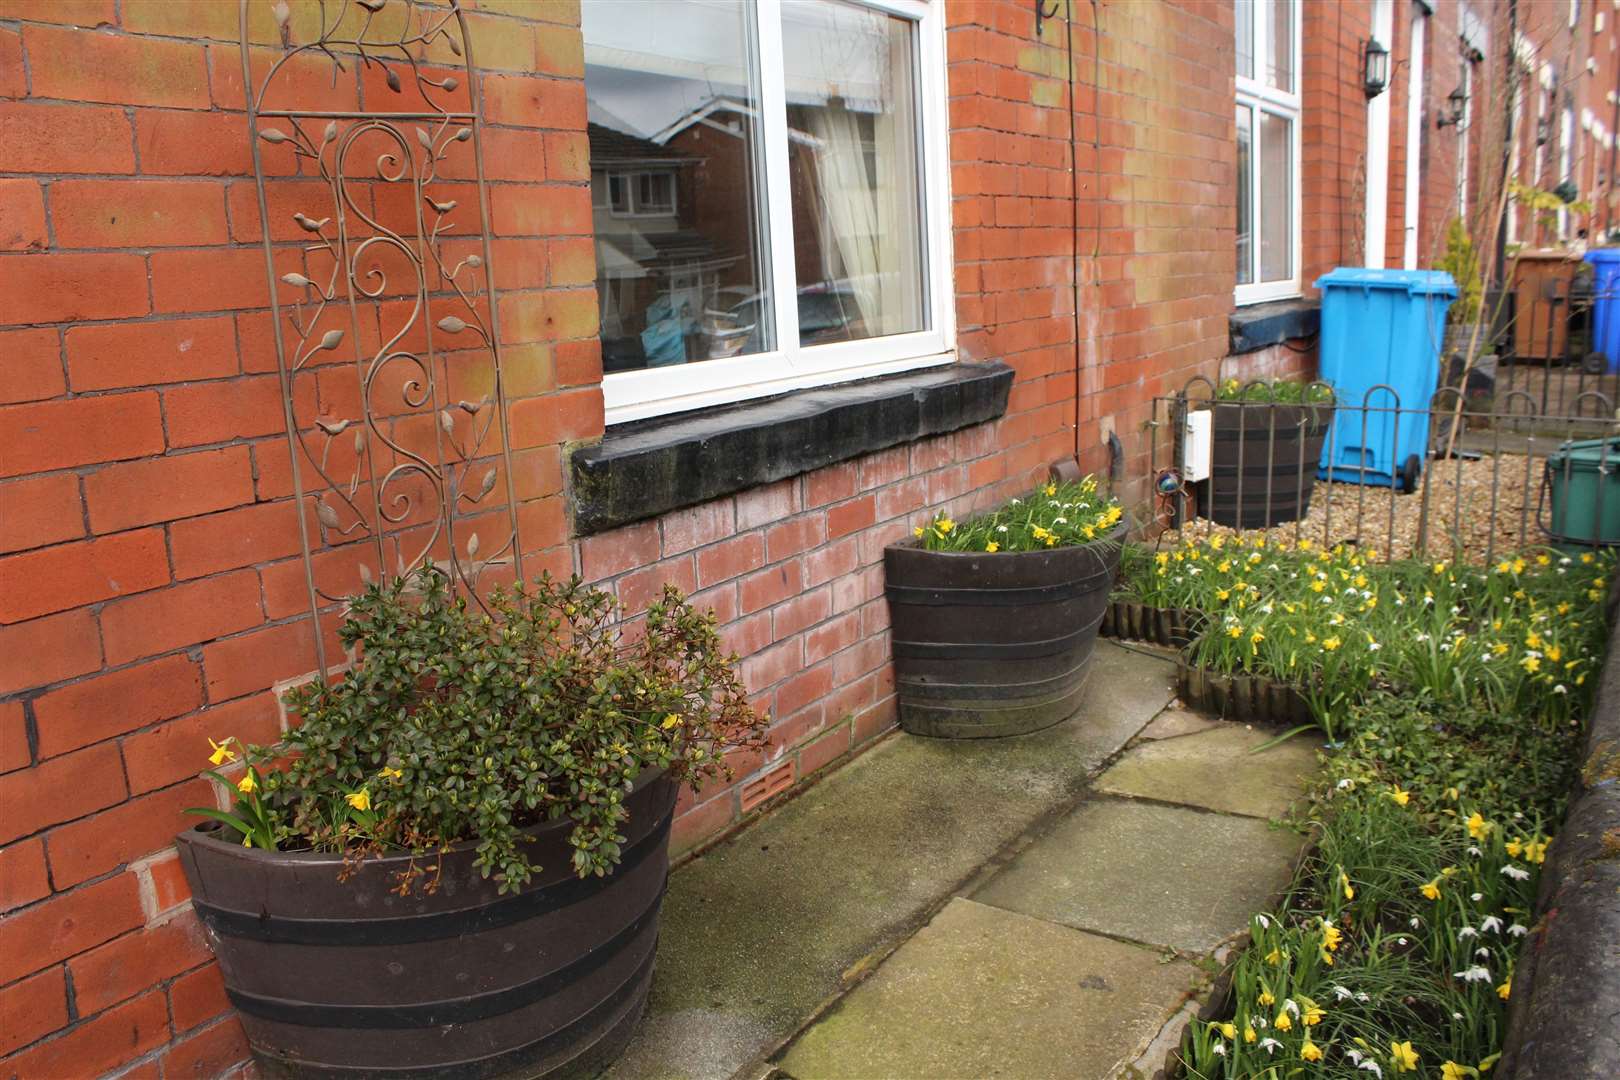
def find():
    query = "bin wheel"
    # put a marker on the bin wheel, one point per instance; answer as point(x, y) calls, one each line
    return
point(1595, 364)
point(1411, 470)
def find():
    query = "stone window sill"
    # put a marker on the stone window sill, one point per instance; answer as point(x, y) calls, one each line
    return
point(1259, 325)
point(650, 467)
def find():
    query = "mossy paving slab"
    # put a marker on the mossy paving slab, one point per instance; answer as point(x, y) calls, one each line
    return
point(980, 992)
point(758, 932)
point(1163, 875)
point(1217, 770)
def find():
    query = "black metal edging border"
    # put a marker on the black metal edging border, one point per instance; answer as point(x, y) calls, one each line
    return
point(1566, 987)
point(645, 469)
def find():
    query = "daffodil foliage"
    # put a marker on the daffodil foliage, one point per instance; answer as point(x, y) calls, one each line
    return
point(1458, 696)
point(1054, 515)
point(1277, 391)
point(455, 726)
point(1525, 634)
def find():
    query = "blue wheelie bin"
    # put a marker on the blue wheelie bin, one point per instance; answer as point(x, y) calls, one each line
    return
point(1380, 351)
point(1606, 305)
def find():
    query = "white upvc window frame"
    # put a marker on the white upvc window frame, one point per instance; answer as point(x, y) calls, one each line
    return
point(639, 395)
point(1258, 97)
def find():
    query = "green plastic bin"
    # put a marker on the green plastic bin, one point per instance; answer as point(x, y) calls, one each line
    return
point(1583, 482)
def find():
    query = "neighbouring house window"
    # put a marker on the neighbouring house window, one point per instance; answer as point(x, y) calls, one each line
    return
point(768, 193)
point(1267, 121)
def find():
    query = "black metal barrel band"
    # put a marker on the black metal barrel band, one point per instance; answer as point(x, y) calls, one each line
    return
point(452, 1011)
point(951, 650)
point(434, 927)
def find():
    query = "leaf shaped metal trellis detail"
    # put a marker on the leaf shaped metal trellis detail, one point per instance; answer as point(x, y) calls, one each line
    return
point(382, 301)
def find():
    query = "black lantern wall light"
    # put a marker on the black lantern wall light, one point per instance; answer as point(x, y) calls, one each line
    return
point(1456, 107)
point(1374, 67)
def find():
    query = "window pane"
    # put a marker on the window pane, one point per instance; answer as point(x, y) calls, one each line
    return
point(1276, 193)
point(682, 272)
point(1280, 44)
point(853, 150)
point(1244, 11)
point(1245, 198)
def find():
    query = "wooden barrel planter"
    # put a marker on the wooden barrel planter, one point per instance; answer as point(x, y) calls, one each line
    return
point(1275, 449)
point(994, 644)
point(347, 978)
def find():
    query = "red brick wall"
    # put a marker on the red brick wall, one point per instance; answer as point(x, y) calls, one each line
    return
point(150, 584)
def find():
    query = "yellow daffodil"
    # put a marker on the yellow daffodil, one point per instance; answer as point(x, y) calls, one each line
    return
point(1478, 827)
point(671, 721)
point(1331, 936)
point(222, 752)
point(247, 783)
point(992, 547)
point(1313, 1014)
point(1332, 643)
point(1249, 1034)
point(1344, 883)
point(1453, 1071)
point(1284, 1022)
point(1431, 889)
point(1229, 1030)
point(1401, 797)
point(917, 532)
point(1265, 997)
point(1310, 1051)
point(944, 525)
point(1535, 851)
point(388, 772)
point(360, 800)
point(1050, 489)
point(1505, 989)
point(1403, 1056)
point(1515, 847)
point(1274, 957)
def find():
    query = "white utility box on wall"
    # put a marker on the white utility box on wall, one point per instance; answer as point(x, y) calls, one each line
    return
point(1195, 446)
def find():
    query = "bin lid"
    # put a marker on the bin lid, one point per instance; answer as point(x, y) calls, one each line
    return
point(1412, 282)
point(1603, 255)
point(1594, 451)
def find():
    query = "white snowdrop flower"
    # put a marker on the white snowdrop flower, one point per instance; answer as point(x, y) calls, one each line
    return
point(1423, 637)
point(1354, 1056)
point(1270, 1046)
point(1366, 594)
point(1265, 609)
point(1456, 1016)
point(1533, 652)
point(1374, 646)
point(1327, 599)
point(1220, 1049)
point(1565, 561)
point(1474, 851)
point(1515, 873)
point(1476, 897)
point(1467, 932)
point(1477, 973)
point(1560, 571)
point(1455, 610)
point(1490, 924)
point(1265, 923)
point(1415, 922)
point(1017, 502)
point(1518, 931)
point(1482, 954)
point(1372, 1067)
point(1560, 689)
point(1346, 784)
point(1351, 589)
point(1060, 521)
point(1194, 570)
point(1003, 528)
point(1342, 992)
point(1400, 941)
point(1363, 998)
point(1517, 816)
point(1400, 601)
point(1290, 1007)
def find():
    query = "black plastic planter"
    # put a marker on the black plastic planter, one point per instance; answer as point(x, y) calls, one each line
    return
point(347, 978)
point(1275, 449)
point(1252, 699)
point(995, 644)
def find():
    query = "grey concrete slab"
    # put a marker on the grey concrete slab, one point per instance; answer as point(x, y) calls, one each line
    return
point(1217, 769)
point(758, 932)
point(981, 992)
point(1178, 720)
point(1163, 875)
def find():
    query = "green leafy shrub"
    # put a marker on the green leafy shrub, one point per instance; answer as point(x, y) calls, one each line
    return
point(456, 726)
point(1056, 515)
point(1461, 261)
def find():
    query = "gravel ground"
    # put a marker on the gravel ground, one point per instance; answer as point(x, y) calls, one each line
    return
point(1355, 513)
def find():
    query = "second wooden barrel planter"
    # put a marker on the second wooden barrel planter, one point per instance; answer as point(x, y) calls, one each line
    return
point(995, 643)
point(1263, 462)
point(347, 978)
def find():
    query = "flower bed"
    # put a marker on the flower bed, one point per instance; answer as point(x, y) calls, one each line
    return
point(1455, 696)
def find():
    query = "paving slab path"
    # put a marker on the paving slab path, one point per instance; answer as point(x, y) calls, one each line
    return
point(1018, 908)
